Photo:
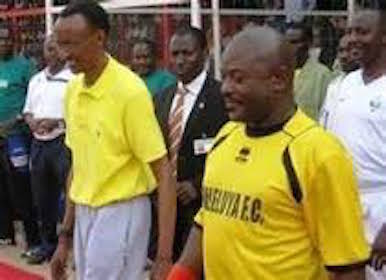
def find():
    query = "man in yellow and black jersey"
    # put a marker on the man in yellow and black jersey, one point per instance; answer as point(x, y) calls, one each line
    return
point(280, 198)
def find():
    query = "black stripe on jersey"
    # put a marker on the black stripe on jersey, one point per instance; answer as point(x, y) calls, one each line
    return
point(221, 139)
point(289, 167)
point(292, 177)
point(349, 267)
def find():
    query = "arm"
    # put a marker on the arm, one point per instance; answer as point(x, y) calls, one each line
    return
point(355, 274)
point(31, 122)
point(59, 260)
point(192, 255)
point(166, 216)
point(69, 216)
point(189, 266)
point(378, 254)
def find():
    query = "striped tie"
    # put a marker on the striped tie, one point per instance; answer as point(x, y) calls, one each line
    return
point(175, 129)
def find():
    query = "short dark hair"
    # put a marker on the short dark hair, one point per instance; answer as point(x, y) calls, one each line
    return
point(95, 15)
point(304, 27)
point(146, 41)
point(196, 33)
point(378, 5)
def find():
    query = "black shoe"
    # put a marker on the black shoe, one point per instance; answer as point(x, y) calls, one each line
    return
point(7, 242)
point(37, 259)
point(28, 253)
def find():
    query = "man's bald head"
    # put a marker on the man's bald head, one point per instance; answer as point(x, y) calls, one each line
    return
point(262, 44)
point(258, 68)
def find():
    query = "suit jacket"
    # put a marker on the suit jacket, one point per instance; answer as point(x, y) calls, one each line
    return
point(205, 120)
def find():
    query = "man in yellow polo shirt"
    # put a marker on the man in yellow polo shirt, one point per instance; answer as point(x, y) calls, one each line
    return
point(117, 147)
point(280, 199)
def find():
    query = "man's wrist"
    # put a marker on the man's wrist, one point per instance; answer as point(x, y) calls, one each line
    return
point(65, 232)
point(164, 257)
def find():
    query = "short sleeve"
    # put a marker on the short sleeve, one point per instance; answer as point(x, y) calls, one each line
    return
point(327, 104)
point(198, 219)
point(32, 70)
point(334, 210)
point(142, 129)
point(28, 105)
point(66, 109)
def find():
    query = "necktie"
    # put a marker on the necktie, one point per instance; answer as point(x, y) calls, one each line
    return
point(175, 129)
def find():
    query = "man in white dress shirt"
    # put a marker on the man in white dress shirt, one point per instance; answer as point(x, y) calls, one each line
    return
point(50, 159)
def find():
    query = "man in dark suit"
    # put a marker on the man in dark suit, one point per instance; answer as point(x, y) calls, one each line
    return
point(190, 114)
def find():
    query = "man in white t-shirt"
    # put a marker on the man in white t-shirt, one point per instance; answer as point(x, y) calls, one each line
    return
point(359, 120)
point(50, 159)
point(348, 61)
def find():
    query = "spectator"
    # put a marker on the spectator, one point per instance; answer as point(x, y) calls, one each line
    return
point(311, 77)
point(348, 60)
point(50, 161)
point(143, 62)
point(359, 121)
point(15, 190)
point(116, 147)
point(329, 40)
point(254, 223)
point(190, 114)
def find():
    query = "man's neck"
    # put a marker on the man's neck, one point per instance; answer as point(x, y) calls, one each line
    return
point(100, 64)
point(302, 62)
point(374, 70)
point(283, 114)
point(191, 79)
point(55, 69)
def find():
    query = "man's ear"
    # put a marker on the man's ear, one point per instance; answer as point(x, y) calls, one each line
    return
point(101, 36)
point(279, 78)
point(383, 39)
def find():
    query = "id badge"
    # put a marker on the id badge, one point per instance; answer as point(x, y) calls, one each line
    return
point(202, 146)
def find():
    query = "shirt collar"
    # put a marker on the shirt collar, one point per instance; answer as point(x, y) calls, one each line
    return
point(62, 74)
point(195, 86)
point(100, 86)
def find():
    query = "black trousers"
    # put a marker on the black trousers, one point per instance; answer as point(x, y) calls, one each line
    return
point(16, 200)
point(50, 163)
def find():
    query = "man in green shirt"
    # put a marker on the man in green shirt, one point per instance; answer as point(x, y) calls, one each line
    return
point(311, 77)
point(143, 63)
point(15, 190)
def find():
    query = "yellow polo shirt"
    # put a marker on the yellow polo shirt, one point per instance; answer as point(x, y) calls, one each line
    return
point(253, 228)
point(113, 135)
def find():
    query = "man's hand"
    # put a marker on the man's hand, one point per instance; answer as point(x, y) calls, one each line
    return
point(378, 254)
point(161, 268)
point(186, 192)
point(33, 124)
point(58, 264)
point(48, 125)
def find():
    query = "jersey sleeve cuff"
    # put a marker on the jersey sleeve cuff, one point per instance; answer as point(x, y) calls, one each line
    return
point(348, 267)
point(197, 225)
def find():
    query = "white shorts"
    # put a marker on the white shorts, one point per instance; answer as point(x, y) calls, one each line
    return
point(110, 242)
point(374, 216)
